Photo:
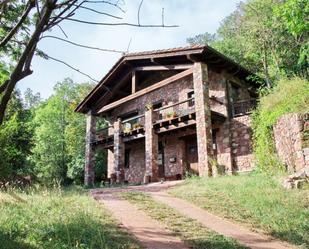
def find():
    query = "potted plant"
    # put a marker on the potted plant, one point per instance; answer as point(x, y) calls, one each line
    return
point(136, 126)
point(170, 115)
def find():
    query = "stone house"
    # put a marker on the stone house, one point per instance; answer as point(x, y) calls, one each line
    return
point(170, 112)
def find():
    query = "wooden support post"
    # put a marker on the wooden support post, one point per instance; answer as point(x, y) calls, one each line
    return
point(203, 119)
point(133, 81)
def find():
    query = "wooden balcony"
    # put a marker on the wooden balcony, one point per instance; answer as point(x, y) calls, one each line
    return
point(167, 118)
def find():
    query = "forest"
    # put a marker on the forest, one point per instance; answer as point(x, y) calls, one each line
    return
point(43, 140)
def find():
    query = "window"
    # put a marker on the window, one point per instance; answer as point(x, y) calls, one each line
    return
point(157, 105)
point(191, 95)
point(235, 92)
point(127, 158)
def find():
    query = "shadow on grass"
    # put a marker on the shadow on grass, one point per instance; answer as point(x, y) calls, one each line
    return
point(12, 243)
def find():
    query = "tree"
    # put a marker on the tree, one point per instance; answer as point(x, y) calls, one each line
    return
point(24, 24)
point(16, 139)
point(269, 37)
point(31, 100)
point(60, 134)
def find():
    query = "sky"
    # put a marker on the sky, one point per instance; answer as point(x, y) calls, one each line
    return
point(192, 16)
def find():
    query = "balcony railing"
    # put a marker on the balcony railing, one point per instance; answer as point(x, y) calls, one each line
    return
point(178, 109)
point(132, 124)
point(243, 107)
point(104, 133)
point(181, 111)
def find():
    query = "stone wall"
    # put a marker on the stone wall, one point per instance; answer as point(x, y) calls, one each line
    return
point(223, 146)
point(241, 143)
point(173, 148)
point(291, 140)
point(136, 170)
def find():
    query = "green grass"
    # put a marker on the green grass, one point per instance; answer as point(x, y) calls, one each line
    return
point(194, 234)
point(257, 201)
point(57, 219)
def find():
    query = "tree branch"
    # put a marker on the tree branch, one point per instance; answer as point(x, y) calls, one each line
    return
point(121, 24)
point(73, 68)
point(106, 2)
point(55, 19)
point(4, 85)
point(13, 31)
point(99, 12)
point(83, 46)
point(138, 12)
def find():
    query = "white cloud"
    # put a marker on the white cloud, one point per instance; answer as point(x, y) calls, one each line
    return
point(192, 16)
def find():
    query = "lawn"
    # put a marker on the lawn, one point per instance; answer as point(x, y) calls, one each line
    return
point(256, 200)
point(58, 219)
point(194, 234)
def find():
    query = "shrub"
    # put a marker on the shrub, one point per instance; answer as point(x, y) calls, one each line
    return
point(288, 96)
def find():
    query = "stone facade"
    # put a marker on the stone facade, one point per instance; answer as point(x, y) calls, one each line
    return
point(241, 143)
point(291, 140)
point(232, 137)
point(203, 119)
point(135, 170)
point(118, 152)
point(90, 150)
point(151, 148)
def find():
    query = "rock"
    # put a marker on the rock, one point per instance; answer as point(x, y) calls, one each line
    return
point(297, 180)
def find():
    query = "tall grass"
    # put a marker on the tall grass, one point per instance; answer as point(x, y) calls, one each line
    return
point(58, 219)
point(258, 201)
point(289, 95)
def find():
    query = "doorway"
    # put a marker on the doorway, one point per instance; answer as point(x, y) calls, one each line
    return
point(161, 171)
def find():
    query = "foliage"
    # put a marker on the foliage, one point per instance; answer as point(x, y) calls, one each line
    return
point(269, 37)
point(286, 97)
point(273, 209)
point(15, 139)
point(194, 234)
point(60, 134)
point(57, 218)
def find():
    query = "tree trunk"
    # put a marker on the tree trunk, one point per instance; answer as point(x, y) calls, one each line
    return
point(22, 69)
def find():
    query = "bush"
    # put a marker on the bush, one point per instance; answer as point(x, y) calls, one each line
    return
point(288, 96)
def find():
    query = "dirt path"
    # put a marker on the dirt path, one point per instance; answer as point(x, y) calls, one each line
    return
point(154, 235)
point(149, 232)
point(221, 226)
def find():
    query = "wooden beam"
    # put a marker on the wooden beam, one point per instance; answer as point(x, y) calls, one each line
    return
point(146, 90)
point(164, 67)
point(133, 81)
point(113, 91)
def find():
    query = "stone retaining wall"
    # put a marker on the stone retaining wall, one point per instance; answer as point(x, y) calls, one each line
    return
point(291, 140)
